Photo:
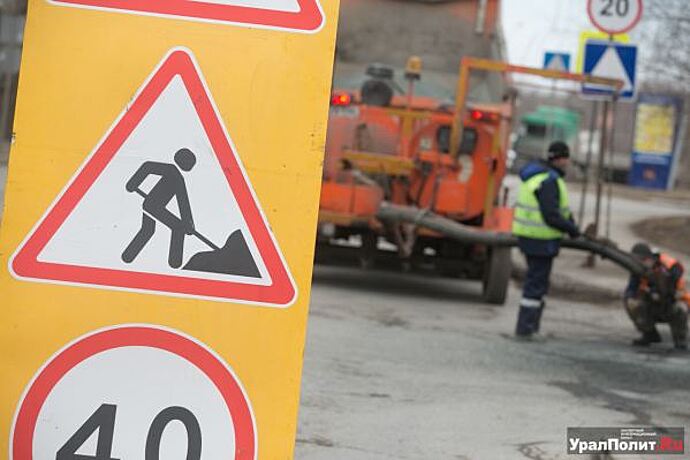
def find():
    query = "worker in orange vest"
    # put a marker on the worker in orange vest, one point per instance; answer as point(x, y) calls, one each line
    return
point(659, 296)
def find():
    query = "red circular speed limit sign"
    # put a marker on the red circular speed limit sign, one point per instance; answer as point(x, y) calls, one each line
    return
point(134, 392)
point(614, 16)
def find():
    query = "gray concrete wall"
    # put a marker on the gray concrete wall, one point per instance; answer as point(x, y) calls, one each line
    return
point(389, 31)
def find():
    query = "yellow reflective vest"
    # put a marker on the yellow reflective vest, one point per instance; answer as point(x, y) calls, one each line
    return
point(528, 221)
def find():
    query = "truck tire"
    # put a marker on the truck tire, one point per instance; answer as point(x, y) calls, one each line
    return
point(497, 275)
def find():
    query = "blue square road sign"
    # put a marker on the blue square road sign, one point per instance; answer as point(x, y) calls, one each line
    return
point(610, 60)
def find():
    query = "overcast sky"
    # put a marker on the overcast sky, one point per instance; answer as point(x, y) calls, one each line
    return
point(534, 26)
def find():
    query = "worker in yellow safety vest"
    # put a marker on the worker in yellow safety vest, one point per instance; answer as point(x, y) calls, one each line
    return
point(659, 296)
point(542, 218)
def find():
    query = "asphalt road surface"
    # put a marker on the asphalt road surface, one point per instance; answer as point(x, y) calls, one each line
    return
point(415, 367)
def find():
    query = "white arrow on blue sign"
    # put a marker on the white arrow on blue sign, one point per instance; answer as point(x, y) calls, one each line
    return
point(610, 60)
point(557, 61)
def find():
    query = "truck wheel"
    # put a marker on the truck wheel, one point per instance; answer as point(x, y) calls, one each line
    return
point(497, 275)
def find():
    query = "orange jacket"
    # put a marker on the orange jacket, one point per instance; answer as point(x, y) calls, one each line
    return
point(668, 263)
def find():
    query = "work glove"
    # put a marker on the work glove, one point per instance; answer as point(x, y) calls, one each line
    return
point(575, 231)
point(632, 303)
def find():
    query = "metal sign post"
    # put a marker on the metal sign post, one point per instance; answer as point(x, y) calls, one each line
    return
point(594, 113)
point(612, 17)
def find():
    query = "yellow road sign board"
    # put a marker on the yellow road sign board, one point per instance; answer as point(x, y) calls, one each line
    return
point(158, 232)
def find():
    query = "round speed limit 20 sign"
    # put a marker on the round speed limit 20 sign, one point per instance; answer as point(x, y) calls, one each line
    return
point(134, 392)
point(614, 16)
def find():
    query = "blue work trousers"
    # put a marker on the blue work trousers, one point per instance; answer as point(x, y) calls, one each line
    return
point(535, 288)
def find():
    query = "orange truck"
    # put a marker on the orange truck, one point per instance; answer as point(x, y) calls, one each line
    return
point(393, 159)
point(392, 148)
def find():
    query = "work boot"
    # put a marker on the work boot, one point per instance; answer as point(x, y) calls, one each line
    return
point(647, 339)
point(537, 324)
point(528, 317)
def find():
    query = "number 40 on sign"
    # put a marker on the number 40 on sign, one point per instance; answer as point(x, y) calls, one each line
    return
point(104, 389)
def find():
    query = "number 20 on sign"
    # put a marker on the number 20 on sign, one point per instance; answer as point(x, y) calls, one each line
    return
point(614, 16)
point(157, 238)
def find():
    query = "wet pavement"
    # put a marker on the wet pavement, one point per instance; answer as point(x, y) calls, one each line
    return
point(414, 367)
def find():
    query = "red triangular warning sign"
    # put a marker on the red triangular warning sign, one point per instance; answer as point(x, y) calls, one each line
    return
point(162, 205)
point(291, 15)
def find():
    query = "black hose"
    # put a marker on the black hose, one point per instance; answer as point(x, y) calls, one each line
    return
point(607, 251)
point(390, 213)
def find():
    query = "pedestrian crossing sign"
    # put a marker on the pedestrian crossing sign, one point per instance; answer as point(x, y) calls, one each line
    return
point(162, 205)
point(610, 60)
point(557, 61)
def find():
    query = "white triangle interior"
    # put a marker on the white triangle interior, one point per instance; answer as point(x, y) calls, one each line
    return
point(106, 219)
point(557, 63)
point(291, 6)
point(610, 66)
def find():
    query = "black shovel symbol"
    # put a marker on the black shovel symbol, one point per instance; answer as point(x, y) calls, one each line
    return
point(234, 258)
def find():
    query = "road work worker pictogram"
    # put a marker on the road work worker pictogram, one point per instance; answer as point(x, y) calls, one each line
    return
point(170, 186)
point(234, 258)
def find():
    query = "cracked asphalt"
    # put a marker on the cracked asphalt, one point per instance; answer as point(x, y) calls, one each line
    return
point(407, 366)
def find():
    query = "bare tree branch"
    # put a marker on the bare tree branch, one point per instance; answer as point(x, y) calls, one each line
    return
point(665, 44)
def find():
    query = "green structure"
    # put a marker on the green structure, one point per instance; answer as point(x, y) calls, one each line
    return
point(541, 127)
